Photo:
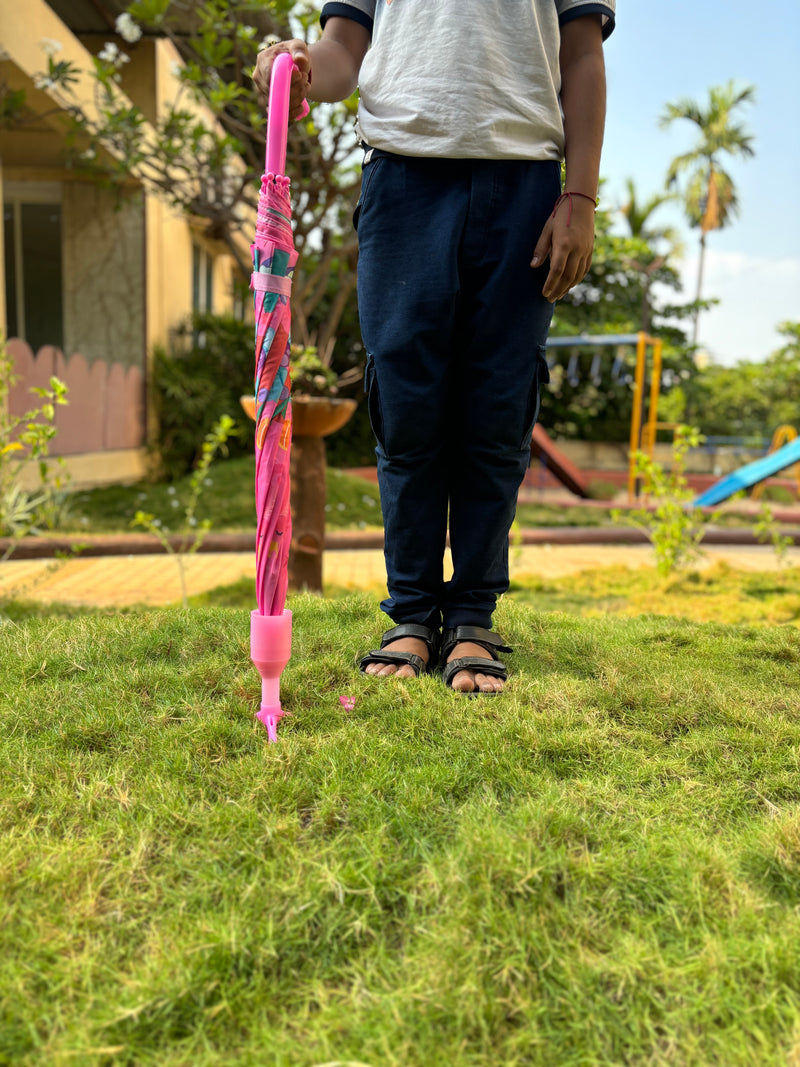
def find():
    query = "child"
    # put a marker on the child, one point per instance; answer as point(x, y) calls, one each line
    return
point(465, 242)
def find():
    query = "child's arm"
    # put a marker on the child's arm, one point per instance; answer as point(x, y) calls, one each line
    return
point(327, 70)
point(569, 238)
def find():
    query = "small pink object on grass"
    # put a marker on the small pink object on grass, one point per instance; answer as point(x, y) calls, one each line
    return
point(348, 703)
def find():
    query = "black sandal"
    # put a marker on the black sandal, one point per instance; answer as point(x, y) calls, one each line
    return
point(476, 635)
point(403, 659)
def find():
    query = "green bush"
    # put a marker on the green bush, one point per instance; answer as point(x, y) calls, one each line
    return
point(778, 494)
point(354, 444)
point(209, 366)
point(200, 379)
point(598, 489)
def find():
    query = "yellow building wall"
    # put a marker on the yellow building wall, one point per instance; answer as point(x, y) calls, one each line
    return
point(167, 237)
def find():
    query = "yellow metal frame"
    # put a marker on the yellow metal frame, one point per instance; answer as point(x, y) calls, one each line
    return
point(643, 431)
point(782, 436)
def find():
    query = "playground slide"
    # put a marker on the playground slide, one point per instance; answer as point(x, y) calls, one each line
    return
point(750, 474)
point(542, 447)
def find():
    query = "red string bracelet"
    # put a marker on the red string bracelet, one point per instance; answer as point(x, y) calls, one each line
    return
point(568, 197)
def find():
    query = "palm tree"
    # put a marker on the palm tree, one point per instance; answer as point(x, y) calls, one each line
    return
point(637, 215)
point(709, 196)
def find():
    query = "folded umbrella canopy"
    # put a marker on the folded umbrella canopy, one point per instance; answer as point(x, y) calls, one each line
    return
point(274, 258)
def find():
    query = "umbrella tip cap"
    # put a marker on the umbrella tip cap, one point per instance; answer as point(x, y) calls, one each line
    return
point(270, 649)
point(270, 715)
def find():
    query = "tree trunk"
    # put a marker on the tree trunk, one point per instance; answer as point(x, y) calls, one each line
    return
point(700, 268)
point(307, 473)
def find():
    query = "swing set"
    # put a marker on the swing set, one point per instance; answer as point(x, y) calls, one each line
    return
point(646, 384)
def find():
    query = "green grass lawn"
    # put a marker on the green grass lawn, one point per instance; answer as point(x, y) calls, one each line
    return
point(228, 500)
point(718, 594)
point(600, 866)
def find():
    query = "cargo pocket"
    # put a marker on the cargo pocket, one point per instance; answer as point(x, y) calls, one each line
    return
point(540, 379)
point(373, 400)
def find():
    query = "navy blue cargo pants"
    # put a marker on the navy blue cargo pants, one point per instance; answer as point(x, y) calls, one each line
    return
point(454, 324)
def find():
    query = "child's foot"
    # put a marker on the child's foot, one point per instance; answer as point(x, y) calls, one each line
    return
point(406, 651)
point(411, 645)
point(471, 663)
point(472, 681)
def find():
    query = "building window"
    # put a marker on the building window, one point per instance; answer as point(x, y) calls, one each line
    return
point(202, 290)
point(202, 280)
point(34, 271)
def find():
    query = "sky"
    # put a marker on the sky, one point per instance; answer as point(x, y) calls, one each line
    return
point(661, 53)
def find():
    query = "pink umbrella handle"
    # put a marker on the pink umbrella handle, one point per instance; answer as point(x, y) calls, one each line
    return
point(278, 117)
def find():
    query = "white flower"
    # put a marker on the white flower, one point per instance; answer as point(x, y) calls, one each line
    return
point(50, 47)
point(171, 490)
point(268, 42)
point(109, 53)
point(175, 68)
point(175, 503)
point(89, 155)
point(41, 81)
point(127, 29)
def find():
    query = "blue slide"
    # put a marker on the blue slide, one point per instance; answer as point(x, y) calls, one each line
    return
point(750, 475)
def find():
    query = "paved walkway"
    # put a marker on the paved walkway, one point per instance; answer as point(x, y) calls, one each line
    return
point(119, 581)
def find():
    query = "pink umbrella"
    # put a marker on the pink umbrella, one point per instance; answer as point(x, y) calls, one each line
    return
point(274, 258)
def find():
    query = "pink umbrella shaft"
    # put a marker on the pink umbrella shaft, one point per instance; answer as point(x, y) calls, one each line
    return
point(274, 520)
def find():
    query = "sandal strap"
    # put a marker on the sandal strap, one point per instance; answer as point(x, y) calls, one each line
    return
point(400, 659)
point(414, 629)
point(492, 667)
point(476, 635)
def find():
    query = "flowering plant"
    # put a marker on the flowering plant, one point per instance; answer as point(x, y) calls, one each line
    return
point(310, 376)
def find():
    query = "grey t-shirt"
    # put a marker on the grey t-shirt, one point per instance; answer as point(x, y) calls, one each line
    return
point(445, 78)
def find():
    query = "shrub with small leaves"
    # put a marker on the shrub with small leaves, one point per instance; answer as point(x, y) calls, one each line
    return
point(213, 442)
point(766, 530)
point(674, 526)
point(23, 438)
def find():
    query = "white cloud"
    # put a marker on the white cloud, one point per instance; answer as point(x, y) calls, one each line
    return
point(755, 294)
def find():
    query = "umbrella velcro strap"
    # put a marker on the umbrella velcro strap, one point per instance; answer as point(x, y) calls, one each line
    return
point(271, 283)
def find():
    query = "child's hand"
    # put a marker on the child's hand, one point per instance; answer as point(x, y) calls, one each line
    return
point(568, 239)
point(301, 78)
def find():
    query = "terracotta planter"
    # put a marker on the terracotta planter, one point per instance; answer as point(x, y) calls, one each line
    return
point(318, 416)
point(312, 416)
